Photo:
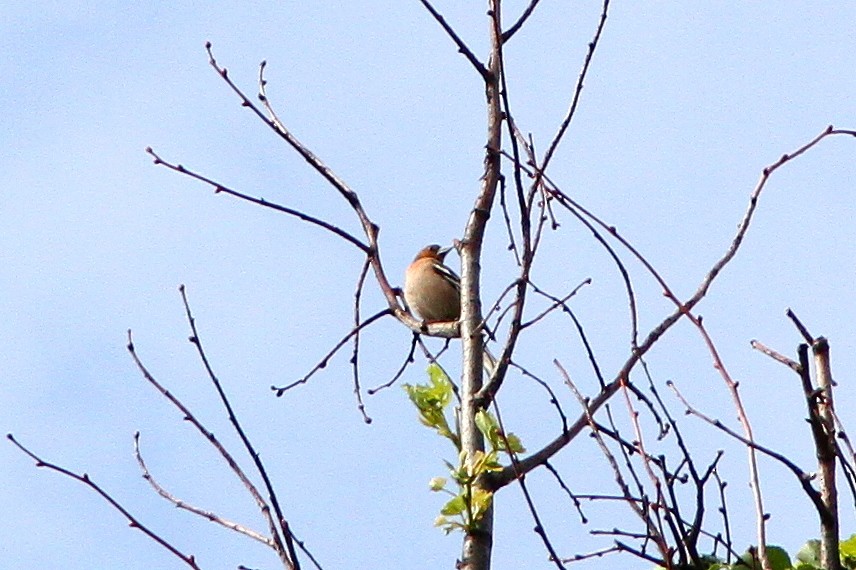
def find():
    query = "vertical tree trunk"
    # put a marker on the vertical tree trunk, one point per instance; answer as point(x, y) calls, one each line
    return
point(830, 558)
point(478, 541)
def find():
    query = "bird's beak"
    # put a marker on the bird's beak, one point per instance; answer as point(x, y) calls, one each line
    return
point(441, 253)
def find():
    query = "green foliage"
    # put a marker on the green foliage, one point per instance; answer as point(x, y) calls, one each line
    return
point(432, 399)
point(808, 558)
point(469, 501)
point(847, 549)
point(488, 425)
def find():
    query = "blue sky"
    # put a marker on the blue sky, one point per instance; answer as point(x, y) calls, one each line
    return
point(684, 106)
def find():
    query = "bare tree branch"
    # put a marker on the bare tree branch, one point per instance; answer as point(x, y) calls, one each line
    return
point(507, 34)
point(188, 507)
point(133, 522)
point(462, 47)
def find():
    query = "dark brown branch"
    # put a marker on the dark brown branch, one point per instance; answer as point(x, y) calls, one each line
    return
point(462, 47)
point(287, 553)
point(407, 361)
point(506, 35)
point(326, 359)
point(133, 522)
point(596, 554)
point(574, 498)
point(800, 326)
point(553, 399)
point(361, 280)
point(260, 201)
point(577, 90)
point(371, 230)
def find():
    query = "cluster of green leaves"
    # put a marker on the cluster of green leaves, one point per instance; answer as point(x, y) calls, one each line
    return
point(808, 558)
point(469, 501)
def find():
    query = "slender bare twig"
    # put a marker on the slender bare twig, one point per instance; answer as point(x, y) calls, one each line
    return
point(723, 510)
point(574, 498)
point(777, 356)
point(659, 507)
point(264, 508)
point(280, 390)
point(260, 201)
point(548, 156)
point(800, 326)
point(181, 504)
point(462, 47)
point(556, 303)
point(521, 481)
point(595, 554)
point(506, 218)
point(506, 35)
point(407, 362)
point(361, 280)
point(553, 399)
point(287, 554)
point(743, 417)
point(133, 522)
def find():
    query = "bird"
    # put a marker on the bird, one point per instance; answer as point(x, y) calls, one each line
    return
point(431, 289)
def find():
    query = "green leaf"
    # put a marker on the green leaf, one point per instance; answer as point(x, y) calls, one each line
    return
point(515, 444)
point(847, 548)
point(810, 553)
point(480, 502)
point(778, 557)
point(455, 506)
point(432, 399)
point(489, 427)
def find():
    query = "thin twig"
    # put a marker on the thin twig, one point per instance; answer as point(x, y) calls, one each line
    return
point(287, 554)
point(506, 35)
point(777, 356)
point(188, 507)
point(754, 475)
point(556, 303)
point(260, 201)
point(280, 390)
point(361, 280)
point(407, 362)
point(539, 525)
point(577, 89)
point(84, 478)
point(462, 47)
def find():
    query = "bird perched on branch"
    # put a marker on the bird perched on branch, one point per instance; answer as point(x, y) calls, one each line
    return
point(431, 289)
point(433, 292)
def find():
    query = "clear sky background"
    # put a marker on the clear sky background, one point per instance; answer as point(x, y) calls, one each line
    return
point(684, 106)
